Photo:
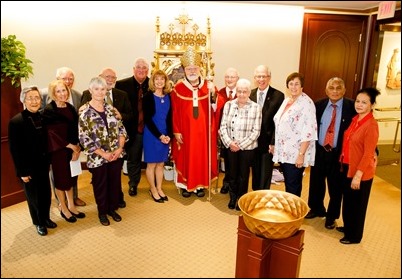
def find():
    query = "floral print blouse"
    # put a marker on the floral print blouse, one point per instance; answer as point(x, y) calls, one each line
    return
point(294, 125)
point(94, 133)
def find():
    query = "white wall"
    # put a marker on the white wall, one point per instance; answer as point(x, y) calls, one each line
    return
point(87, 36)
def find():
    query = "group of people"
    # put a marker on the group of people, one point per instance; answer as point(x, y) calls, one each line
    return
point(120, 120)
point(335, 136)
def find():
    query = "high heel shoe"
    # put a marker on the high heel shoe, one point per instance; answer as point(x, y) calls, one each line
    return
point(160, 200)
point(80, 215)
point(72, 219)
point(165, 198)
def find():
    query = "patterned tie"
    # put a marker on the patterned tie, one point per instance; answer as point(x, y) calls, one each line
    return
point(140, 112)
point(329, 136)
point(230, 95)
point(108, 99)
point(261, 98)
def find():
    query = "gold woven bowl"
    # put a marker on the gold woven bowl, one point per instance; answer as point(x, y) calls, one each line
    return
point(272, 214)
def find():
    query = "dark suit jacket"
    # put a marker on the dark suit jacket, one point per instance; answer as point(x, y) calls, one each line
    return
point(271, 105)
point(131, 86)
point(120, 101)
point(348, 111)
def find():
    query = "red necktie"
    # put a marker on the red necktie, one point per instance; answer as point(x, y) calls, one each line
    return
point(230, 95)
point(140, 112)
point(329, 136)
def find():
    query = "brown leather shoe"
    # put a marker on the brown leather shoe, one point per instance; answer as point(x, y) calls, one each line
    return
point(79, 202)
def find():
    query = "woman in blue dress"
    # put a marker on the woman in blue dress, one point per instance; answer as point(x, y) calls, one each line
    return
point(157, 132)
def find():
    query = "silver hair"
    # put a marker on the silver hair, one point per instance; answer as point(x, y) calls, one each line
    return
point(100, 81)
point(27, 89)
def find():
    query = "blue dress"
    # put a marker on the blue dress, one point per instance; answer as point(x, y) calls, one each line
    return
point(154, 150)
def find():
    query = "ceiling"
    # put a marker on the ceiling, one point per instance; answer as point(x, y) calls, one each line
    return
point(338, 5)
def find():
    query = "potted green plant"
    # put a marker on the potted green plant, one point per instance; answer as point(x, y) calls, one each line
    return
point(14, 64)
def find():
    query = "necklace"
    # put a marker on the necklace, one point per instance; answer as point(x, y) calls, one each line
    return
point(161, 98)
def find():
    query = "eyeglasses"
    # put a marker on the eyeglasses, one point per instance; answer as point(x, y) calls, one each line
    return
point(68, 79)
point(143, 68)
point(230, 77)
point(110, 77)
point(31, 99)
point(262, 77)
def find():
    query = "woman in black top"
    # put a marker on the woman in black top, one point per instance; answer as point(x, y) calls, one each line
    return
point(28, 150)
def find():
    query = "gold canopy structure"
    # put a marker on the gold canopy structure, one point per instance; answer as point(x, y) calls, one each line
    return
point(172, 43)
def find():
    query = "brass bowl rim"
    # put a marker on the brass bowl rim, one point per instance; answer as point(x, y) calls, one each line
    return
point(279, 192)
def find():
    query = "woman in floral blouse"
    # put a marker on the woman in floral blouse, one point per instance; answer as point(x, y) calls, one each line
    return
point(102, 136)
point(295, 134)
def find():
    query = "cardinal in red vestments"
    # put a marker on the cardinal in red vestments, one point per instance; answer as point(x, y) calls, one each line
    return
point(194, 148)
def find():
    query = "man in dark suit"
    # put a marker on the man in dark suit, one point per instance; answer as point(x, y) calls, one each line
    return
point(270, 99)
point(327, 166)
point(119, 99)
point(135, 86)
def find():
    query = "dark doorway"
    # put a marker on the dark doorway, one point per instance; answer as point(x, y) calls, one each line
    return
point(332, 45)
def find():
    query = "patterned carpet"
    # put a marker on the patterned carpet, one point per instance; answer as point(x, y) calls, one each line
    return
point(389, 167)
point(188, 238)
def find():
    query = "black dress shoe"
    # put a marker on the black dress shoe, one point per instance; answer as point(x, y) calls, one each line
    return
point(348, 241)
point(50, 224)
point(160, 200)
point(329, 223)
point(312, 215)
point(72, 219)
point(79, 215)
point(340, 229)
point(115, 216)
point(104, 220)
point(132, 191)
point(165, 198)
point(232, 204)
point(225, 189)
point(122, 204)
point(200, 193)
point(42, 230)
point(185, 193)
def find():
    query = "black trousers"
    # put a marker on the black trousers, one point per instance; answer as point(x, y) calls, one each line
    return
point(354, 206)
point(38, 194)
point(326, 171)
point(262, 171)
point(239, 172)
point(106, 182)
point(134, 158)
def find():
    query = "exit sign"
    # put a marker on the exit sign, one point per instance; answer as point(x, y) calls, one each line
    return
point(386, 9)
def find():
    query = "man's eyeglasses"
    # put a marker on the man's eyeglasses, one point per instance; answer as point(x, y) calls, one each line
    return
point(262, 77)
point(68, 79)
point(110, 77)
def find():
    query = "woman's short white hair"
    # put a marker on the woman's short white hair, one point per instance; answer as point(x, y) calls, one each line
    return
point(244, 83)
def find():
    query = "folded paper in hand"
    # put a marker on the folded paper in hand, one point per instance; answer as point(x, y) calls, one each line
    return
point(75, 168)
